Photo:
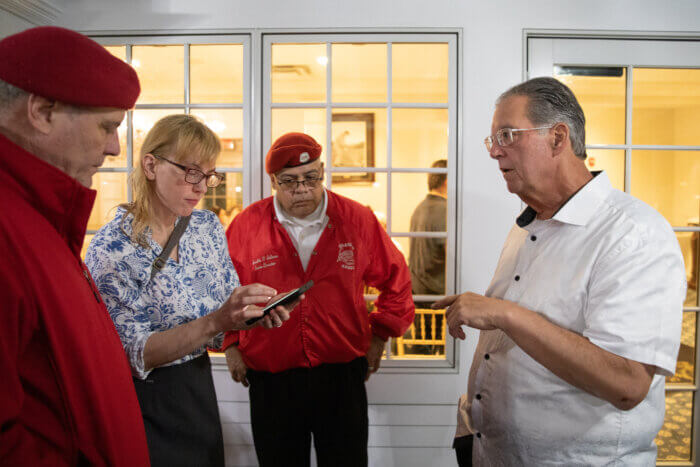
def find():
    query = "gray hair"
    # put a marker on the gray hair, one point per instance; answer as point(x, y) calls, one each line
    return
point(8, 94)
point(551, 102)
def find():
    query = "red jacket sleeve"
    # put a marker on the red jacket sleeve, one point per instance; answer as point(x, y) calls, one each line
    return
point(18, 446)
point(387, 271)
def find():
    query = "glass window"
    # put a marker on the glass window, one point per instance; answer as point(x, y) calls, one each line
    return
point(612, 161)
point(673, 440)
point(359, 72)
point(161, 73)
point(601, 93)
point(299, 73)
point(669, 181)
point(665, 106)
point(215, 74)
point(380, 150)
point(420, 72)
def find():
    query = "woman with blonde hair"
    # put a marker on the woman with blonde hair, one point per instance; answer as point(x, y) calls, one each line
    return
point(168, 307)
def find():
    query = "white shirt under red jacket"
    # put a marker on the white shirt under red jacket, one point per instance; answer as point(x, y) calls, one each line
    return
point(331, 325)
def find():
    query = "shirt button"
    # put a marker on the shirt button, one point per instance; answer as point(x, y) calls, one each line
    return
point(487, 356)
point(296, 254)
point(478, 397)
point(478, 435)
point(517, 278)
point(533, 238)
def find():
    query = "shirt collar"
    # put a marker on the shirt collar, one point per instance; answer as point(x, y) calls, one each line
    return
point(581, 207)
point(315, 217)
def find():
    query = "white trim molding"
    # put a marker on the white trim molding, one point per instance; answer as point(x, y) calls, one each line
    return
point(38, 12)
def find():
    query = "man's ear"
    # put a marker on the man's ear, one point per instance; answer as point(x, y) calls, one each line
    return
point(148, 163)
point(561, 138)
point(41, 113)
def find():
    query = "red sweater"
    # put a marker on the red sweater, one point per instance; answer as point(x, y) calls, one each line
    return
point(66, 394)
point(332, 324)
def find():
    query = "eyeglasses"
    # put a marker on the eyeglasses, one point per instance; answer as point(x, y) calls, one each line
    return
point(504, 136)
point(194, 176)
point(291, 184)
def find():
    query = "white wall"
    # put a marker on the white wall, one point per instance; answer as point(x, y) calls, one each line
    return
point(407, 428)
point(10, 23)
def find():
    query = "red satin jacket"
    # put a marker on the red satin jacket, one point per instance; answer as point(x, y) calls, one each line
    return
point(331, 325)
point(66, 394)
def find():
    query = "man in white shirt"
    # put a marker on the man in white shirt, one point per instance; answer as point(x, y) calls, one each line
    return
point(581, 322)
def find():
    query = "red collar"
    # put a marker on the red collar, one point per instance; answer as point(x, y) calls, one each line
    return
point(62, 200)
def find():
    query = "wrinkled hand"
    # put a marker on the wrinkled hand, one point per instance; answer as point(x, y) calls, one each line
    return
point(240, 307)
point(374, 355)
point(236, 366)
point(470, 309)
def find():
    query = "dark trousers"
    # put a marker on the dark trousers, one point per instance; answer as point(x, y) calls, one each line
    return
point(463, 449)
point(181, 416)
point(328, 401)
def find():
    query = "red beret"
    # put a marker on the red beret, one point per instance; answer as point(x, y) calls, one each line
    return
point(291, 150)
point(66, 66)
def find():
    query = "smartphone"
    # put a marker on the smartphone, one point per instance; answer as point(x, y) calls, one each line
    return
point(288, 298)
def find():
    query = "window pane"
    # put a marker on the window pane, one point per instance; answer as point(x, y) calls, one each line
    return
point(425, 338)
point(359, 72)
point(690, 244)
point(143, 121)
point(120, 160)
point(161, 73)
point(359, 138)
point(111, 192)
point(309, 121)
point(419, 72)
point(419, 137)
point(670, 182)
point(118, 51)
point(665, 107)
point(298, 72)
point(602, 99)
point(86, 243)
point(216, 73)
point(685, 369)
point(408, 191)
point(226, 200)
point(673, 440)
point(368, 189)
point(612, 161)
point(228, 125)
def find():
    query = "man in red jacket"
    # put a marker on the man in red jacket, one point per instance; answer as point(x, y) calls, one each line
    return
point(308, 376)
point(66, 394)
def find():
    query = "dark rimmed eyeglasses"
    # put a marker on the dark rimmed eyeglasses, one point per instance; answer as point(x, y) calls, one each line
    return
point(194, 176)
point(291, 184)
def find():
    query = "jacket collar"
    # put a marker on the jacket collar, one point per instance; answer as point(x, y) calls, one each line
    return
point(62, 200)
point(581, 207)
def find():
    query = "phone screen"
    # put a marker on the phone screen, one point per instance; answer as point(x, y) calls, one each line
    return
point(288, 298)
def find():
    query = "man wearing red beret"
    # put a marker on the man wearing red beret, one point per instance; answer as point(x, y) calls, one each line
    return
point(67, 394)
point(307, 377)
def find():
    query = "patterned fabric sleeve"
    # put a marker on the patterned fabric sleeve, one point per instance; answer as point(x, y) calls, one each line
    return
point(114, 279)
point(230, 276)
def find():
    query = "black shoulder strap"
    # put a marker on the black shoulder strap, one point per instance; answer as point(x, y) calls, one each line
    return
point(160, 261)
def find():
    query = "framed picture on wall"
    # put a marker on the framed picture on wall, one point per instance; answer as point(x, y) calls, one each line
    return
point(352, 145)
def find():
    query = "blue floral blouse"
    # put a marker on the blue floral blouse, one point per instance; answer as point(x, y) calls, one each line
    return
point(199, 283)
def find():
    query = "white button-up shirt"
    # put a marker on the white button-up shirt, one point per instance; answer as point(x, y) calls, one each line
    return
point(608, 267)
point(305, 232)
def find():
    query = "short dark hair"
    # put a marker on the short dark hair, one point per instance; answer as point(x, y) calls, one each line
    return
point(436, 180)
point(549, 102)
